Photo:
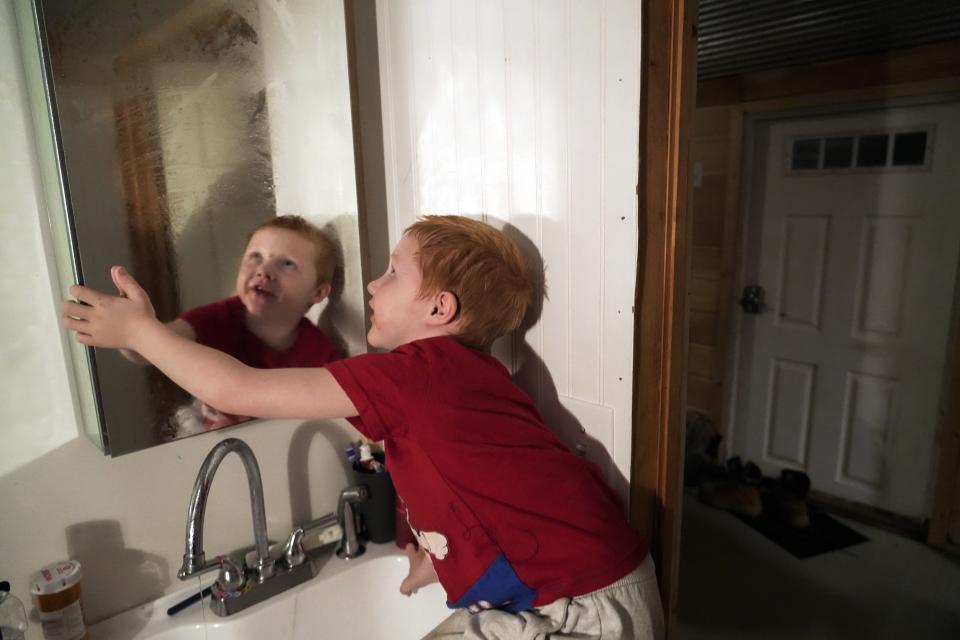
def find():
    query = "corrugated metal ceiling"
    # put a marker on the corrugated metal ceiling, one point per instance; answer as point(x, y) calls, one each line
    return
point(740, 36)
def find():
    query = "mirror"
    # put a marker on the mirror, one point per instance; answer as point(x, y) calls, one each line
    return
point(181, 125)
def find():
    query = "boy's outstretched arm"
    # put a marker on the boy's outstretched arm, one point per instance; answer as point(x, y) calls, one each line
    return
point(128, 322)
point(179, 326)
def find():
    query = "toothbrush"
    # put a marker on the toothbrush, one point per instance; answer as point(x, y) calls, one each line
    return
point(186, 602)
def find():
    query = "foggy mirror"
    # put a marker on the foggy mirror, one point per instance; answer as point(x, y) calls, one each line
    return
point(184, 125)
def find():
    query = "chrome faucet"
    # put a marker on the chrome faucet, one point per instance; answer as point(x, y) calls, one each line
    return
point(238, 588)
point(194, 562)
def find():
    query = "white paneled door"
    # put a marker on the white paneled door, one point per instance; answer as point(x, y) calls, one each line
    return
point(853, 240)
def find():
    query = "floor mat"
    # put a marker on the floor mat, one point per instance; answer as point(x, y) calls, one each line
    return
point(824, 534)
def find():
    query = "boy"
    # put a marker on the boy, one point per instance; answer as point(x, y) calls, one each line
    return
point(286, 267)
point(522, 533)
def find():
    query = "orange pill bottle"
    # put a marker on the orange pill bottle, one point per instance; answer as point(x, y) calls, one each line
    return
point(55, 590)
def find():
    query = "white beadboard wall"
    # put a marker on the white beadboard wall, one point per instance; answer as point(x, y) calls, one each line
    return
point(525, 113)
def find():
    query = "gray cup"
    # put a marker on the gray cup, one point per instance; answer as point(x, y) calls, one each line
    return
point(378, 512)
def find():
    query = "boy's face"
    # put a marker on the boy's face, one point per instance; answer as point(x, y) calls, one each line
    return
point(398, 315)
point(277, 278)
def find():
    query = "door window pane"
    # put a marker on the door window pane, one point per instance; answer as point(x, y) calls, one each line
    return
point(838, 153)
point(909, 148)
point(806, 154)
point(872, 151)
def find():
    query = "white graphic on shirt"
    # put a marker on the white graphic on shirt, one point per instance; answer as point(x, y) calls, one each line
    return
point(433, 542)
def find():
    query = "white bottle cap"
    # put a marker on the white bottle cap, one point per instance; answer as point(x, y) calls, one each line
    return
point(55, 577)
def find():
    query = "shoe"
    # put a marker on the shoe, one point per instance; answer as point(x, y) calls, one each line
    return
point(752, 474)
point(796, 482)
point(726, 489)
point(790, 498)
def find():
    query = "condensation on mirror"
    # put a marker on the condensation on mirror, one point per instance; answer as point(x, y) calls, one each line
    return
point(182, 126)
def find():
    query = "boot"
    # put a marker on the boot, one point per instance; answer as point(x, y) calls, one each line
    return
point(730, 489)
point(790, 497)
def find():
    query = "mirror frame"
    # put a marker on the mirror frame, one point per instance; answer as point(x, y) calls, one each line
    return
point(64, 252)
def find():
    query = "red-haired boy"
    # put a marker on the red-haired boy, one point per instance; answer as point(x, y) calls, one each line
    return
point(524, 535)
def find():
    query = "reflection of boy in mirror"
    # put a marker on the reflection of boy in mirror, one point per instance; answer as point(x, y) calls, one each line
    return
point(286, 268)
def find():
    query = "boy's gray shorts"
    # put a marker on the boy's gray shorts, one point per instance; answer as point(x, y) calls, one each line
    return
point(628, 609)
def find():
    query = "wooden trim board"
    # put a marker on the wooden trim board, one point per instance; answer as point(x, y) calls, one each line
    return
point(668, 89)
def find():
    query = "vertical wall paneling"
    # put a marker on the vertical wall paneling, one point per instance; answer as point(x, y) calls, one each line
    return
point(586, 164)
point(553, 215)
point(397, 127)
point(526, 114)
point(711, 258)
point(465, 92)
point(492, 91)
point(523, 194)
point(621, 93)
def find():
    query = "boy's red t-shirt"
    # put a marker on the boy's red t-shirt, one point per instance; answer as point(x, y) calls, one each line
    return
point(222, 326)
point(511, 517)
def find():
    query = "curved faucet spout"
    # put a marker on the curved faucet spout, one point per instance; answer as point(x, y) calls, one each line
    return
point(194, 561)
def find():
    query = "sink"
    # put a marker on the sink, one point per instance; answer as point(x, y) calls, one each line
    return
point(348, 599)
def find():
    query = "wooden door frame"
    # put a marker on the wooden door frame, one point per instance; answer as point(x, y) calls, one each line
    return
point(668, 88)
point(947, 479)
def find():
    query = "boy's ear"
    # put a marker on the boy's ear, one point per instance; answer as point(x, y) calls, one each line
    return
point(446, 309)
point(322, 292)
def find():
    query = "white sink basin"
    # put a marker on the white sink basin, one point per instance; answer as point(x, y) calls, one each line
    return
point(349, 599)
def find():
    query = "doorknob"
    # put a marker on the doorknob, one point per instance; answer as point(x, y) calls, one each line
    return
point(752, 300)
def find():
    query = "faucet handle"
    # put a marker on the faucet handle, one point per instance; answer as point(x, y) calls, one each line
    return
point(293, 553)
point(231, 578)
point(358, 493)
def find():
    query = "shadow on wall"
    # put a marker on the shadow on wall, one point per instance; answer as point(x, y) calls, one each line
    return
point(533, 375)
point(115, 578)
point(330, 441)
point(336, 313)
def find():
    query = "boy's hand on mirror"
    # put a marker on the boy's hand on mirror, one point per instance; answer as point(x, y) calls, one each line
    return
point(102, 320)
point(117, 275)
point(126, 284)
